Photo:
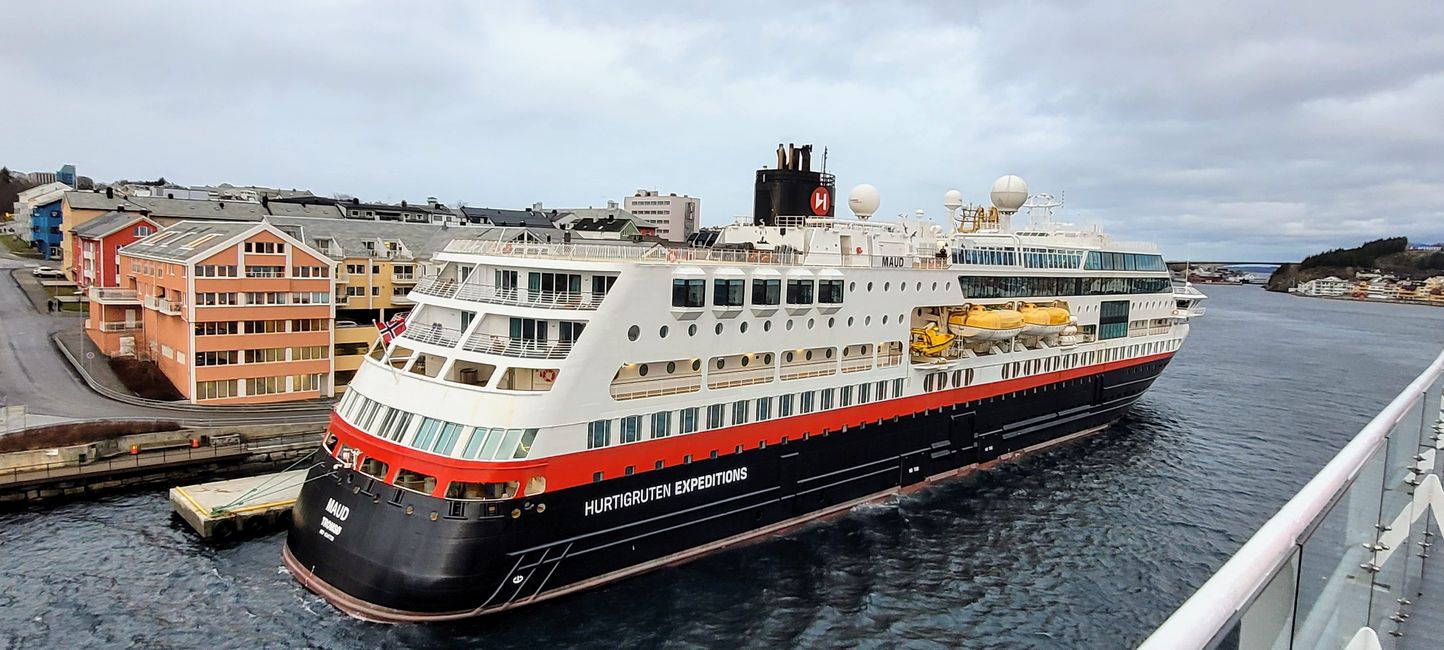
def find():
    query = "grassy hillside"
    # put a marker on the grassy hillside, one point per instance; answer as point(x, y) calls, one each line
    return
point(1387, 255)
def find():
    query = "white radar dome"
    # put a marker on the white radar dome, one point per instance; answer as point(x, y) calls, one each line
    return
point(1009, 193)
point(953, 199)
point(863, 200)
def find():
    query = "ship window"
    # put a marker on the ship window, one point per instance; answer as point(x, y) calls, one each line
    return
point(882, 390)
point(415, 481)
point(427, 433)
point(689, 420)
point(739, 412)
point(692, 329)
point(826, 401)
point(718, 329)
point(536, 484)
point(846, 396)
point(766, 292)
point(481, 491)
point(712, 454)
point(804, 402)
point(767, 326)
point(784, 406)
point(799, 292)
point(633, 332)
point(897, 387)
point(764, 408)
point(727, 293)
point(596, 477)
point(373, 467)
point(661, 424)
point(689, 293)
point(599, 434)
point(829, 291)
point(864, 393)
point(714, 416)
point(687, 460)
point(447, 438)
point(662, 333)
point(473, 444)
point(631, 428)
point(659, 465)
point(631, 469)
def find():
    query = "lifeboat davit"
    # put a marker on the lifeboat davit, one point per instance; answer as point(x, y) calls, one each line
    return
point(1043, 321)
point(983, 324)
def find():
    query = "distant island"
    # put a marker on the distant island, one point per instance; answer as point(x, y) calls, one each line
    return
point(1392, 256)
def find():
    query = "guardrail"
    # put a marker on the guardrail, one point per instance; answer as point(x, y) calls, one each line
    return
point(58, 470)
point(1341, 563)
point(521, 348)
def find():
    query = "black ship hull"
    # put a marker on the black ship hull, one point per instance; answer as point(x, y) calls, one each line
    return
point(386, 554)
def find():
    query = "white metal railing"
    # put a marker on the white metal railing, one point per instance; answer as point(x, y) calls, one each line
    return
point(433, 333)
point(661, 254)
point(717, 379)
point(641, 388)
point(507, 346)
point(1337, 566)
point(119, 326)
point(448, 288)
point(805, 369)
point(99, 294)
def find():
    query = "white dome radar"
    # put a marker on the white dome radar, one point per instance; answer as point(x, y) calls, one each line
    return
point(953, 199)
point(863, 201)
point(1009, 193)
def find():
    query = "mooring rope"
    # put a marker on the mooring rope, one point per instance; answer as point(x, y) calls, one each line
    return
point(247, 494)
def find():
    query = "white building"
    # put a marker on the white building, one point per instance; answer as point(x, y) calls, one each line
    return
point(30, 199)
point(674, 217)
point(1330, 286)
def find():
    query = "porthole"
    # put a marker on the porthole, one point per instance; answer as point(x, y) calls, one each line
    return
point(671, 367)
point(633, 332)
point(849, 321)
point(743, 327)
point(767, 358)
point(788, 357)
point(947, 286)
point(867, 320)
point(642, 370)
point(809, 355)
point(884, 319)
point(718, 329)
point(744, 362)
point(851, 287)
point(663, 332)
point(789, 325)
point(696, 365)
point(887, 286)
point(920, 286)
point(935, 286)
point(847, 352)
point(811, 322)
point(829, 353)
point(767, 326)
point(899, 318)
point(831, 322)
point(869, 286)
point(721, 363)
point(902, 286)
point(692, 329)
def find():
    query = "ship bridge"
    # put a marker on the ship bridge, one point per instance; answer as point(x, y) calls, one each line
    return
point(1352, 561)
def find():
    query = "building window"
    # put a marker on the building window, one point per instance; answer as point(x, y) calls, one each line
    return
point(599, 434)
point(689, 293)
point(265, 385)
point(265, 271)
point(727, 293)
point(799, 292)
point(217, 389)
point(265, 247)
point(221, 358)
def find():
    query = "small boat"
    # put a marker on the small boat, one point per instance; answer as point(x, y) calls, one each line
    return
point(982, 324)
point(930, 341)
point(1043, 321)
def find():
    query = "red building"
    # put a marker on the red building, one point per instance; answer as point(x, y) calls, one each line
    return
point(95, 242)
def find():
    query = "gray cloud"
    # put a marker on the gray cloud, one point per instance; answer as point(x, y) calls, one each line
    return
point(1249, 130)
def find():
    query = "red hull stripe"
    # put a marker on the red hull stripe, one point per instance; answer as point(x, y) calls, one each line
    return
point(577, 468)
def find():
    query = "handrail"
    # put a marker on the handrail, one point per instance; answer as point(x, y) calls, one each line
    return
point(1211, 609)
point(507, 346)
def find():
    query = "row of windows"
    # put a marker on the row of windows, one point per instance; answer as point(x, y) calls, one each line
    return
point(729, 292)
point(433, 435)
point(215, 271)
point(1052, 258)
point(1106, 261)
point(221, 328)
point(265, 247)
point(661, 424)
point(265, 271)
point(977, 286)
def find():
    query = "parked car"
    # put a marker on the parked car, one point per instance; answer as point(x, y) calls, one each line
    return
point(347, 323)
point(46, 272)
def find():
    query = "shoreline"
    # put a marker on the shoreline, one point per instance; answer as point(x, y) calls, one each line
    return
point(1421, 303)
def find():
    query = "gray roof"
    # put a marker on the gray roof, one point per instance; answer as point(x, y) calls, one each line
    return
point(81, 200)
point(589, 224)
point(314, 211)
point(513, 218)
point(107, 223)
point(170, 244)
point(200, 209)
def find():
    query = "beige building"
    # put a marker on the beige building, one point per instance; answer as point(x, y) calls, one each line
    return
point(674, 217)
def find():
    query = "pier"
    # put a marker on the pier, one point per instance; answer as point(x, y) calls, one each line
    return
point(221, 509)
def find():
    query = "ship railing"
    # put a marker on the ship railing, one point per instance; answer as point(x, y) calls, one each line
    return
point(1345, 562)
point(522, 348)
point(439, 287)
point(857, 365)
point(640, 389)
point(662, 254)
point(433, 333)
point(740, 377)
point(806, 369)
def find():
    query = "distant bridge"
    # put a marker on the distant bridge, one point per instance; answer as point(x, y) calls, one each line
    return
point(1206, 263)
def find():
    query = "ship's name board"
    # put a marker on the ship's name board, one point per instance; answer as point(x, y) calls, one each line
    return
point(663, 491)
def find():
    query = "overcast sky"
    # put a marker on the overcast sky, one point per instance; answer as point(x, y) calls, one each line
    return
point(1218, 130)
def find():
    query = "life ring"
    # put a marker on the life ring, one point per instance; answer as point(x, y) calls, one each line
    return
point(671, 255)
point(506, 248)
point(549, 375)
point(859, 250)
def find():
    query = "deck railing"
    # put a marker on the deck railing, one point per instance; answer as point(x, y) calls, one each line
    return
point(1342, 562)
point(517, 347)
point(448, 288)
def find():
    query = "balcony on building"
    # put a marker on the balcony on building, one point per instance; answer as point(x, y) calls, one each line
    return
point(109, 296)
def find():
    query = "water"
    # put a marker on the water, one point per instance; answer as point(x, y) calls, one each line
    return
point(1087, 546)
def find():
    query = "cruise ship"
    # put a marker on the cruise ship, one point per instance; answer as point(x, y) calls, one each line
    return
point(556, 415)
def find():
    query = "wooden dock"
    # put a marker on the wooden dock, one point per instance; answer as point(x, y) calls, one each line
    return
point(224, 508)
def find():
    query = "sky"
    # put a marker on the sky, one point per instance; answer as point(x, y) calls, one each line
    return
point(1231, 131)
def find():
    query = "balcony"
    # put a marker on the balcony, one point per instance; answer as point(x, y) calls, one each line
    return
point(163, 305)
point(119, 327)
point(521, 348)
point(114, 296)
point(433, 333)
point(404, 278)
point(446, 288)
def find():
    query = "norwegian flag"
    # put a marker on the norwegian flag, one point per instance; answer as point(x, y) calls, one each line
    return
point(392, 328)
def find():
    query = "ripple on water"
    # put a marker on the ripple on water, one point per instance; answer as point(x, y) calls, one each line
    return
point(1088, 545)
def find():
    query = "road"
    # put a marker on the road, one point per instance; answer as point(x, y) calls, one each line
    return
point(33, 373)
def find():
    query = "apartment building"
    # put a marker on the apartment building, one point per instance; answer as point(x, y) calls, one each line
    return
point(97, 242)
point(674, 217)
point(233, 312)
